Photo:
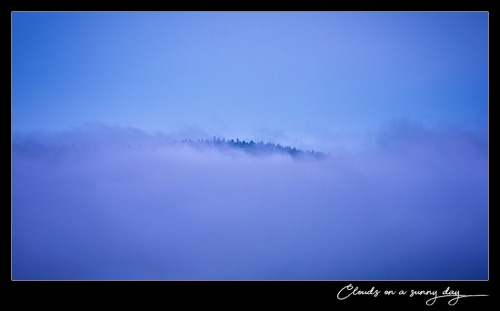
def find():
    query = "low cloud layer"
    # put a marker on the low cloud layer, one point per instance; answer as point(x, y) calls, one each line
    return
point(85, 206)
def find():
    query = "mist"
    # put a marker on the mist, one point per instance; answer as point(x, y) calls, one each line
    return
point(118, 203)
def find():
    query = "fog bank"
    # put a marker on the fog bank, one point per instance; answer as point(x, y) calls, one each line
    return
point(85, 205)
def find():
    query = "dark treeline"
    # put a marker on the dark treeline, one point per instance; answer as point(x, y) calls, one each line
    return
point(251, 147)
point(27, 146)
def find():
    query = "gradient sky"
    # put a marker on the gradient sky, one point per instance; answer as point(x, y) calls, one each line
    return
point(399, 101)
point(302, 78)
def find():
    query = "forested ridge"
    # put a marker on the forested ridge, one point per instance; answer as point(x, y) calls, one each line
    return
point(251, 147)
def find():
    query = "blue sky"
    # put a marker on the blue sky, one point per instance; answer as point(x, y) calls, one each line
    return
point(399, 101)
point(304, 78)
